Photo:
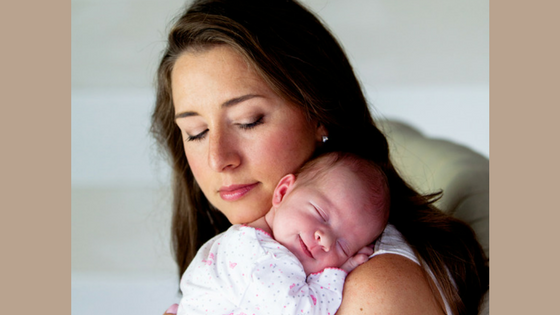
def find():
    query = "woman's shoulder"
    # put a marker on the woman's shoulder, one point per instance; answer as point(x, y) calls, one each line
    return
point(389, 284)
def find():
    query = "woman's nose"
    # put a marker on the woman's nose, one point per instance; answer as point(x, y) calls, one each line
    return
point(222, 152)
point(324, 239)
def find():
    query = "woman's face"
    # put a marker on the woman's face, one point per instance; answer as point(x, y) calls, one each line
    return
point(240, 137)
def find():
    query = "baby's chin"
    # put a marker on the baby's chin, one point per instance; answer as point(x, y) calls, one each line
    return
point(313, 269)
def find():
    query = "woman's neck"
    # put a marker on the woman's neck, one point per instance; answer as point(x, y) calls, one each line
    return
point(262, 224)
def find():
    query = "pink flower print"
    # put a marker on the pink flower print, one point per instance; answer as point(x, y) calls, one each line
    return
point(314, 299)
point(209, 261)
point(292, 286)
point(232, 265)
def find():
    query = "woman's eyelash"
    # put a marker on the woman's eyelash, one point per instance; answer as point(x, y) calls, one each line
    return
point(197, 137)
point(201, 135)
point(253, 124)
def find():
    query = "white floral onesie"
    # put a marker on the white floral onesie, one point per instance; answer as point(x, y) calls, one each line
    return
point(245, 271)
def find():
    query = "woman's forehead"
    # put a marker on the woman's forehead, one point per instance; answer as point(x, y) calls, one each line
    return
point(216, 77)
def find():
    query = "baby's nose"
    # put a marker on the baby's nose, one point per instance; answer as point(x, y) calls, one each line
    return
point(324, 239)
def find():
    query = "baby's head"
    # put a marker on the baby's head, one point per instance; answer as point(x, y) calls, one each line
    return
point(334, 206)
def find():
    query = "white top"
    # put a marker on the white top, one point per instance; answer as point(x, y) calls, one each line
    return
point(245, 271)
point(391, 241)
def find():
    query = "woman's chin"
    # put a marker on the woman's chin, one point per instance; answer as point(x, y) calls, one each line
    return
point(244, 212)
point(242, 216)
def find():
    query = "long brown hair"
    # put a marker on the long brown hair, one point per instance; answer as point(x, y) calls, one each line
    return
point(302, 62)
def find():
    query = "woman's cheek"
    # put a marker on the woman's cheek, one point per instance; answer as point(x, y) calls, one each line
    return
point(197, 167)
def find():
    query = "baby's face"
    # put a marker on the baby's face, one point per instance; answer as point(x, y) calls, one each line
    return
point(326, 223)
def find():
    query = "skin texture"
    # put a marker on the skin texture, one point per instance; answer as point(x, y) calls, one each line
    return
point(326, 222)
point(388, 284)
point(237, 132)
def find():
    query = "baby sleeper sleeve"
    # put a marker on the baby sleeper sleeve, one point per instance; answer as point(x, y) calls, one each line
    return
point(247, 272)
point(280, 286)
point(216, 281)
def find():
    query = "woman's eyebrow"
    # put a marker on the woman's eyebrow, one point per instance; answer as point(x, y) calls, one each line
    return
point(185, 114)
point(237, 100)
point(228, 103)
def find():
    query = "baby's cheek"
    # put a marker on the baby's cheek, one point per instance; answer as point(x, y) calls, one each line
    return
point(335, 261)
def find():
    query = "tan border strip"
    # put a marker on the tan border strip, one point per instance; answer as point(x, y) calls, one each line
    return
point(35, 167)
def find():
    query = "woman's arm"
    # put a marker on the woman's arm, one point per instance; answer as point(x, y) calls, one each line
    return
point(389, 284)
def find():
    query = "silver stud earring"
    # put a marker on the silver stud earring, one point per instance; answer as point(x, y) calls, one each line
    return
point(325, 139)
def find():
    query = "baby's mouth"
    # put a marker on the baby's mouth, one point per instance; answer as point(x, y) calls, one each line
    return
point(304, 248)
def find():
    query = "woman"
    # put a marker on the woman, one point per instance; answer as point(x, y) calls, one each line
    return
point(250, 90)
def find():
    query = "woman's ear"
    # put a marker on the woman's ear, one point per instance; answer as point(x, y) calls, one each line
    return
point(321, 132)
point(284, 187)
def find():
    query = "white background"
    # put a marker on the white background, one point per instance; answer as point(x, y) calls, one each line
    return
point(422, 62)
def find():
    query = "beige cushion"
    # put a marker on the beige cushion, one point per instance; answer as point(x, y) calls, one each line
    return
point(431, 165)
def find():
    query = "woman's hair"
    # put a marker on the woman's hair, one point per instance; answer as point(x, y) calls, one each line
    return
point(302, 62)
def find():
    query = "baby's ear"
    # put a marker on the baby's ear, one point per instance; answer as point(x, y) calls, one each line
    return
point(284, 186)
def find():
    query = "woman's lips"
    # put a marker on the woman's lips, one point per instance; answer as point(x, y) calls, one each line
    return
point(235, 192)
point(304, 248)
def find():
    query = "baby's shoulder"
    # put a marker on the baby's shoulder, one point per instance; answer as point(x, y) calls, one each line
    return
point(243, 233)
point(257, 242)
point(242, 240)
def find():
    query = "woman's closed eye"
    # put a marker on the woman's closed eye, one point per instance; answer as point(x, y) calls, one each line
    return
point(198, 136)
point(252, 125)
point(258, 121)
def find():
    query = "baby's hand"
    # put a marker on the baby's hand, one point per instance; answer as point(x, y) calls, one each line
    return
point(359, 258)
point(172, 310)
